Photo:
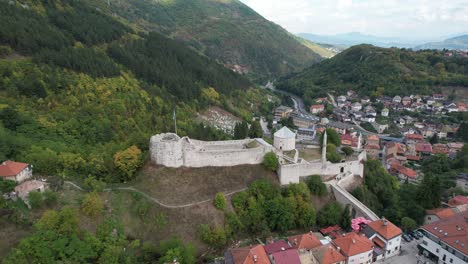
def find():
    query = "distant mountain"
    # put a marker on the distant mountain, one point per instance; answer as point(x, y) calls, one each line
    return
point(364, 68)
point(458, 43)
point(356, 38)
point(227, 31)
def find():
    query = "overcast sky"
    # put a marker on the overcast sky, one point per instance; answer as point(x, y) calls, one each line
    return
point(409, 19)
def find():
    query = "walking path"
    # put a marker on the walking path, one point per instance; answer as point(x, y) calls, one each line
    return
point(131, 189)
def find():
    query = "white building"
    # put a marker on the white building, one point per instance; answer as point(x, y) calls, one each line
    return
point(385, 112)
point(356, 248)
point(386, 236)
point(356, 106)
point(306, 134)
point(447, 239)
point(15, 171)
point(397, 99)
point(284, 139)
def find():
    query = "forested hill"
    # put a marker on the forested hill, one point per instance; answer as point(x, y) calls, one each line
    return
point(227, 31)
point(364, 68)
point(78, 87)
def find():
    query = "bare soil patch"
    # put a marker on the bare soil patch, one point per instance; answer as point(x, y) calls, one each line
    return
point(187, 185)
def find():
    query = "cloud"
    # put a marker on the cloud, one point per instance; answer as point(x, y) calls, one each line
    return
point(413, 19)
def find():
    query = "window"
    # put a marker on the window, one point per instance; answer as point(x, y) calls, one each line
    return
point(388, 251)
point(390, 243)
point(396, 248)
point(445, 256)
point(437, 250)
point(451, 260)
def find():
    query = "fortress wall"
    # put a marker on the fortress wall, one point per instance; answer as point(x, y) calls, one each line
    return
point(239, 142)
point(166, 152)
point(227, 157)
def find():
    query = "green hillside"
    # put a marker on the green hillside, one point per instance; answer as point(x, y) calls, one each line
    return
point(364, 68)
point(78, 86)
point(317, 48)
point(226, 30)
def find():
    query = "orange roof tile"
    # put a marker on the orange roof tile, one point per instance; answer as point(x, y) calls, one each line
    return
point(458, 200)
point(327, 254)
point(452, 231)
point(378, 242)
point(442, 213)
point(352, 244)
point(385, 228)
point(304, 241)
point(373, 137)
point(247, 255)
point(11, 168)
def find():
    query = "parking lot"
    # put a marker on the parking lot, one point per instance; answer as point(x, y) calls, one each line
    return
point(409, 254)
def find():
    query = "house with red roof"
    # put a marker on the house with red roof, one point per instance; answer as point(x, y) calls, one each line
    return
point(328, 254)
point(286, 256)
point(276, 247)
point(307, 241)
point(15, 171)
point(440, 149)
point(411, 138)
point(318, 108)
point(402, 172)
point(423, 148)
point(458, 200)
point(386, 238)
point(246, 255)
point(356, 248)
point(437, 214)
point(447, 239)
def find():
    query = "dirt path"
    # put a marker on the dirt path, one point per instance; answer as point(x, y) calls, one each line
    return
point(131, 189)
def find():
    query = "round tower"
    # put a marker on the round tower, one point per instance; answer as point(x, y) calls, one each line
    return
point(166, 150)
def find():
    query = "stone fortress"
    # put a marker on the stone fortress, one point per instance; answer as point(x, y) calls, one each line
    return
point(170, 150)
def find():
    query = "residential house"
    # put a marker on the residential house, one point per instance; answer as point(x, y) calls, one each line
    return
point(365, 100)
point(346, 140)
point(368, 118)
point(455, 146)
point(372, 140)
point(341, 99)
point(246, 255)
point(438, 97)
point(380, 128)
point(321, 100)
point(385, 236)
point(462, 107)
point(356, 106)
point(15, 171)
point(285, 256)
point(317, 108)
point(304, 121)
point(356, 248)
point(385, 112)
point(413, 138)
point(307, 241)
point(437, 214)
point(396, 99)
point(358, 115)
point(351, 93)
point(276, 247)
point(403, 173)
point(340, 127)
point(423, 148)
point(24, 188)
point(328, 254)
point(458, 200)
point(371, 112)
point(447, 239)
point(406, 100)
point(440, 149)
point(430, 101)
point(428, 132)
point(372, 151)
point(283, 112)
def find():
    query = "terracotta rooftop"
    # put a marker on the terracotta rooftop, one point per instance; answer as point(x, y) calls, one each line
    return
point(304, 241)
point(317, 106)
point(373, 137)
point(247, 255)
point(385, 228)
point(276, 246)
point(458, 200)
point(327, 254)
point(352, 244)
point(414, 136)
point(423, 147)
point(404, 170)
point(11, 168)
point(289, 256)
point(452, 231)
point(328, 230)
point(442, 213)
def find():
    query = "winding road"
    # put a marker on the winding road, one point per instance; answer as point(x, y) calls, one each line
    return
point(131, 189)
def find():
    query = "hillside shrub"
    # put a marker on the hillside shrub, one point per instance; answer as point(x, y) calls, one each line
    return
point(220, 201)
point(270, 161)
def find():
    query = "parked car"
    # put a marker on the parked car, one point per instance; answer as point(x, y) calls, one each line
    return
point(412, 235)
point(407, 238)
point(418, 233)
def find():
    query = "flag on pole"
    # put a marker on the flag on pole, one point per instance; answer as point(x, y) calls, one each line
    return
point(174, 115)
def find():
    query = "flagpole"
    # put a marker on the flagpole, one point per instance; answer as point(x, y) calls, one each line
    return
point(175, 121)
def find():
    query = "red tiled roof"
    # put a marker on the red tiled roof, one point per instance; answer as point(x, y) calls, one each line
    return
point(414, 136)
point(373, 137)
point(413, 157)
point(352, 244)
point(247, 255)
point(404, 170)
point(330, 229)
point(378, 242)
point(327, 254)
point(319, 106)
point(423, 147)
point(452, 231)
point(458, 200)
point(304, 241)
point(385, 228)
point(289, 256)
point(371, 147)
point(440, 149)
point(442, 213)
point(11, 168)
point(276, 246)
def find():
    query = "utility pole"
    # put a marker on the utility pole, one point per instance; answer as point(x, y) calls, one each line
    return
point(175, 121)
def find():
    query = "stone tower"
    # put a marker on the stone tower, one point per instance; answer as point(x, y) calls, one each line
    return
point(324, 149)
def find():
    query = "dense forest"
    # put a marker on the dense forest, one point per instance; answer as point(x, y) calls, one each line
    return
point(75, 96)
point(365, 68)
point(227, 31)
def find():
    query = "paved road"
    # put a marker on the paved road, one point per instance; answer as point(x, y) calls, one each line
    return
point(131, 189)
